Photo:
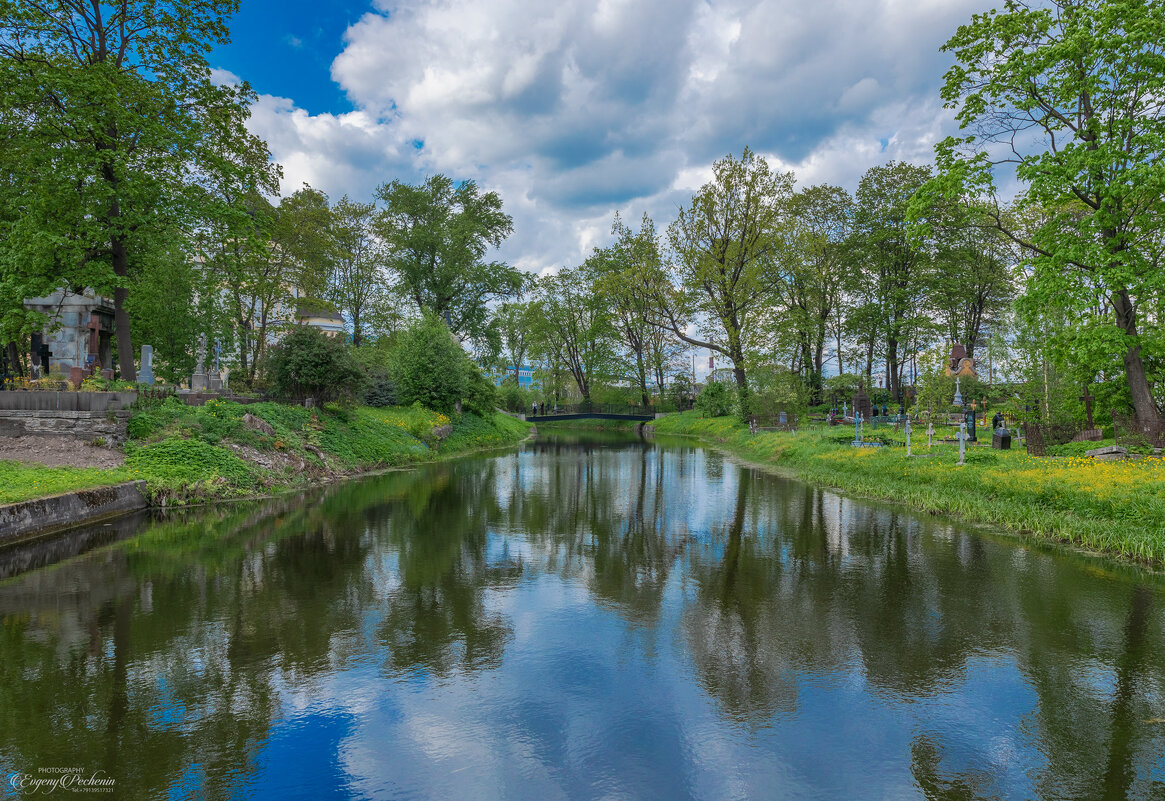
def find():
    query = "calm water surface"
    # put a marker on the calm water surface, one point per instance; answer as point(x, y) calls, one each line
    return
point(590, 618)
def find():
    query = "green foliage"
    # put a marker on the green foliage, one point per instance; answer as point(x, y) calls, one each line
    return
point(1065, 96)
point(512, 397)
point(438, 234)
point(714, 400)
point(177, 460)
point(380, 391)
point(307, 363)
point(481, 396)
point(429, 367)
point(112, 131)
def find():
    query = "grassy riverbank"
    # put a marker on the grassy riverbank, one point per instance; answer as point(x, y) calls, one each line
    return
point(189, 454)
point(1112, 507)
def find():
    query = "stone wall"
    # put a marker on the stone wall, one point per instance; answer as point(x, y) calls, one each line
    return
point(109, 426)
point(66, 401)
point(43, 515)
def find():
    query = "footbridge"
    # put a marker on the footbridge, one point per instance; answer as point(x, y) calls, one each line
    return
point(562, 414)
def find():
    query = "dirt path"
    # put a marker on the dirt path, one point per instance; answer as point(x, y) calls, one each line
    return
point(58, 452)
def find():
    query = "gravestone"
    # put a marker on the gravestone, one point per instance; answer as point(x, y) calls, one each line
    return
point(199, 381)
point(929, 435)
point(862, 404)
point(1001, 439)
point(783, 419)
point(146, 374)
point(214, 378)
point(909, 431)
point(962, 437)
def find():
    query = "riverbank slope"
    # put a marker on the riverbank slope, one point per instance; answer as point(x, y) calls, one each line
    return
point(189, 454)
point(1116, 508)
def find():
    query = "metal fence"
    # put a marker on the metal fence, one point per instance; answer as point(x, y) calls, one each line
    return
point(1130, 431)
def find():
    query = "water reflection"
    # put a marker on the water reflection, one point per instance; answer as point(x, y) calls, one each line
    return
point(587, 617)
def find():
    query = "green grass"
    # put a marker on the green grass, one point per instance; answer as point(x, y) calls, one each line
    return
point(23, 482)
point(1112, 507)
point(193, 453)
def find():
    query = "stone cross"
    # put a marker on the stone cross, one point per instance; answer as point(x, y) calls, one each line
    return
point(146, 374)
point(929, 435)
point(958, 393)
point(962, 437)
point(200, 365)
point(909, 431)
point(198, 381)
point(1088, 399)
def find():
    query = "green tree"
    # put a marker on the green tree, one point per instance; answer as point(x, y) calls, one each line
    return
point(811, 279)
point(514, 323)
point(897, 268)
point(307, 363)
point(725, 242)
point(429, 367)
point(574, 323)
point(629, 275)
point(109, 116)
point(1069, 94)
point(358, 261)
point(438, 235)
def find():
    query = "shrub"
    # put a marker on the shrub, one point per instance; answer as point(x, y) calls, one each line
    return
point(429, 367)
point(310, 364)
point(481, 396)
point(380, 391)
point(715, 400)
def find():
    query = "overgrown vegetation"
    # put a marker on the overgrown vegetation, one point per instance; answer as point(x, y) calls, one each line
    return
point(225, 449)
point(1114, 507)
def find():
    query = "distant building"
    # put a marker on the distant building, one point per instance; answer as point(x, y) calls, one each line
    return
point(526, 378)
point(321, 316)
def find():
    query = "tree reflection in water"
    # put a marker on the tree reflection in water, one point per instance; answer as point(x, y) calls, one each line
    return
point(938, 659)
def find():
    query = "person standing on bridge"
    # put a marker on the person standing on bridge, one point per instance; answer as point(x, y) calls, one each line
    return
point(534, 409)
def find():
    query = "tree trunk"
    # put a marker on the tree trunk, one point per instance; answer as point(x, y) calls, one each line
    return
point(1126, 320)
point(121, 314)
point(892, 367)
point(14, 360)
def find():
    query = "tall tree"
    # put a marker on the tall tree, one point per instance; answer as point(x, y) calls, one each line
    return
point(630, 275)
point(514, 323)
point(896, 265)
point(812, 277)
point(574, 322)
point(725, 242)
point(358, 262)
point(110, 110)
point(438, 235)
point(1070, 93)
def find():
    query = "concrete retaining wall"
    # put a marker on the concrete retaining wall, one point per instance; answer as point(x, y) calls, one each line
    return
point(109, 426)
point(44, 515)
point(66, 401)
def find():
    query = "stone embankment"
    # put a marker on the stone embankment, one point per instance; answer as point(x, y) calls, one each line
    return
point(56, 512)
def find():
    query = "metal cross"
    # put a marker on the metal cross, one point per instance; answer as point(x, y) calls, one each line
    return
point(1088, 399)
point(909, 430)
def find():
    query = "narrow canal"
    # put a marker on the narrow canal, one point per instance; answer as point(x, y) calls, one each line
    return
point(586, 618)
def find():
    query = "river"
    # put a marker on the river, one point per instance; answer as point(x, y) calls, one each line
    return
point(588, 617)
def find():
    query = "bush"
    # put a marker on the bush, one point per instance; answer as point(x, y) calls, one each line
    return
point(310, 364)
point(430, 368)
point(481, 396)
point(715, 400)
point(380, 391)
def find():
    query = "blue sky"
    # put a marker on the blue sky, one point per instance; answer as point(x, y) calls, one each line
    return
point(576, 109)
